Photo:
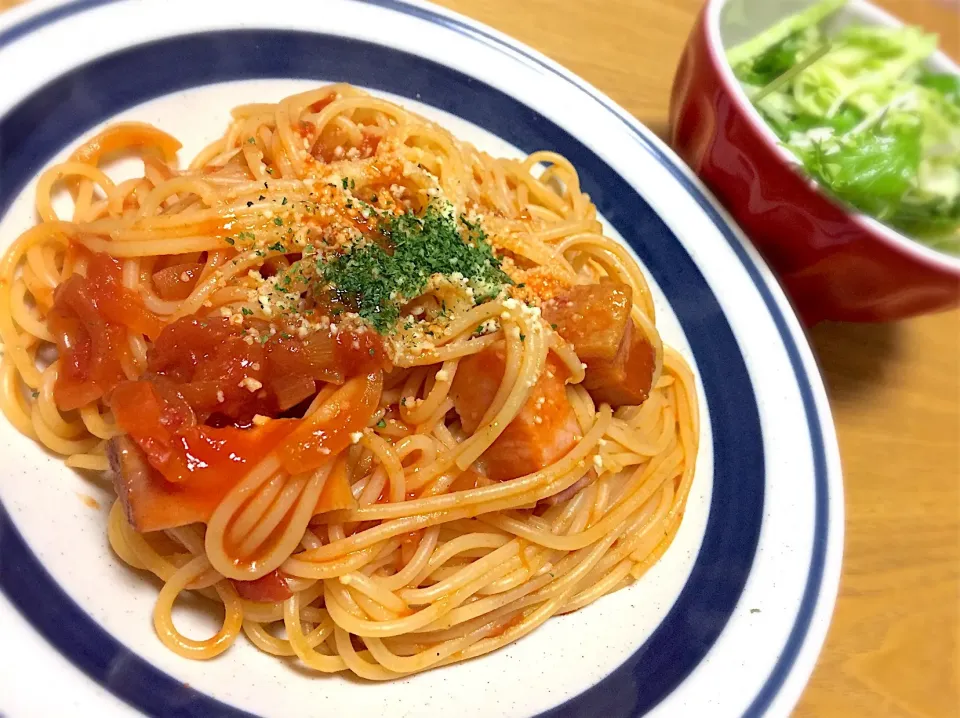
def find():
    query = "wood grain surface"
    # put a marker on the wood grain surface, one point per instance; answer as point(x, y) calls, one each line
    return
point(895, 391)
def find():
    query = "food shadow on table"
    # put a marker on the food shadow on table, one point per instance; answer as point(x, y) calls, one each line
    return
point(855, 358)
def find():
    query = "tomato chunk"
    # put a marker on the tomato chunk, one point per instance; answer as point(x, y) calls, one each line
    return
point(177, 281)
point(158, 492)
point(116, 302)
point(165, 489)
point(228, 372)
point(326, 432)
point(336, 494)
point(269, 588)
point(544, 430)
point(154, 423)
point(89, 321)
point(167, 432)
point(91, 349)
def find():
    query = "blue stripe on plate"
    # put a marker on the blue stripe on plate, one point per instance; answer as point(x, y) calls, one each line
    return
point(697, 617)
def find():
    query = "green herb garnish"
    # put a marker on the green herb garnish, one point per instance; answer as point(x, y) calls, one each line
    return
point(379, 281)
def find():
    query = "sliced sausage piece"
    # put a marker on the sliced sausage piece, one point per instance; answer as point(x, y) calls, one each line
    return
point(569, 492)
point(592, 317)
point(217, 459)
point(543, 431)
point(625, 380)
point(132, 473)
point(150, 502)
point(620, 360)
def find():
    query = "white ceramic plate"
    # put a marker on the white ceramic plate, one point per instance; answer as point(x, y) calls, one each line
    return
point(728, 623)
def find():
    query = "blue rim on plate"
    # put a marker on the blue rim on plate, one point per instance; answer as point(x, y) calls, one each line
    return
point(31, 133)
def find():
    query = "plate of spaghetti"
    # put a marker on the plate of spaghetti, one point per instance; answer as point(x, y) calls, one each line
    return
point(371, 362)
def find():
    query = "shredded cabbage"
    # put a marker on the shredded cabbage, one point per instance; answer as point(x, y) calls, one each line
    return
point(864, 116)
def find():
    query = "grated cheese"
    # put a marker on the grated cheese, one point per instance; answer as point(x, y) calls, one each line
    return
point(250, 384)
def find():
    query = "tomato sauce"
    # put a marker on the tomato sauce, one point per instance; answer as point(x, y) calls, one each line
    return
point(269, 588)
point(181, 450)
point(123, 136)
point(194, 414)
point(323, 435)
point(90, 319)
point(189, 471)
point(228, 373)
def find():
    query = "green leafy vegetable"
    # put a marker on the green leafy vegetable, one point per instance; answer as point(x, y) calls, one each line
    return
point(791, 72)
point(864, 116)
point(870, 171)
point(774, 62)
point(378, 281)
point(767, 40)
point(944, 83)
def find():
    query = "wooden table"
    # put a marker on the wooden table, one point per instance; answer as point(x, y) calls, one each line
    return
point(893, 645)
point(895, 391)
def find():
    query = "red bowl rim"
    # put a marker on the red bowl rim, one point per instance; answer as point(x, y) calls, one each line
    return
point(876, 229)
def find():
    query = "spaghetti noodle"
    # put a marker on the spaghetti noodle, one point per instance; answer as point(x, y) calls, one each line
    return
point(390, 401)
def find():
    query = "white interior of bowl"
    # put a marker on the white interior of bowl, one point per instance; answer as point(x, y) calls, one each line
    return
point(730, 22)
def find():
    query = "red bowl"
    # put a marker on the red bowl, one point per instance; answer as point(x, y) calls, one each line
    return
point(835, 263)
